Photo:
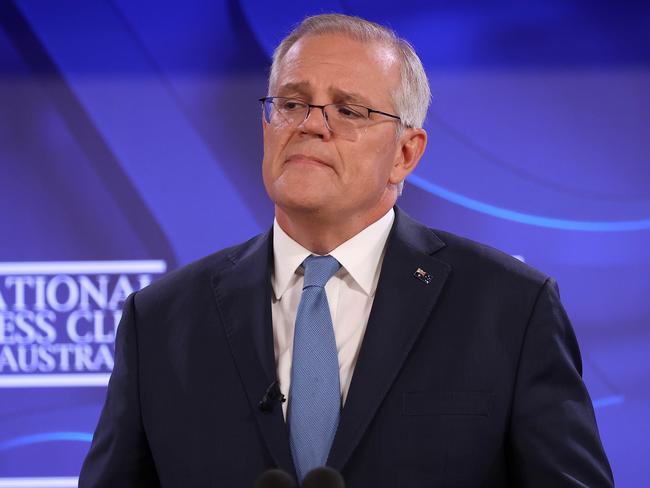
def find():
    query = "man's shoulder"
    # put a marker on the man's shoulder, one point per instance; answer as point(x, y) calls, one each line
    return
point(488, 268)
point(472, 258)
point(194, 279)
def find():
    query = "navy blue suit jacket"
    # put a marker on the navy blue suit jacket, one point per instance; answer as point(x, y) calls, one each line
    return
point(471, 380)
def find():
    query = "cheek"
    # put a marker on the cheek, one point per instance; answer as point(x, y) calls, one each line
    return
point(270, 144)
point(279, 125)
point(274, 142)
point(376, 159)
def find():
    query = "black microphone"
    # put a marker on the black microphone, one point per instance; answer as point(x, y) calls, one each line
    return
point(275, 478)
point(271, 396)
point(323, 478)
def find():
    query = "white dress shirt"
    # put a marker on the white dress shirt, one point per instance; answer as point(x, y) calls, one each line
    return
point(350, 293)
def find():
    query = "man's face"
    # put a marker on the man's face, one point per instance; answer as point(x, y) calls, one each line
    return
point(309, 169)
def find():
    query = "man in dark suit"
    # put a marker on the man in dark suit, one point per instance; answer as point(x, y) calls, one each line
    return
point(454, 364)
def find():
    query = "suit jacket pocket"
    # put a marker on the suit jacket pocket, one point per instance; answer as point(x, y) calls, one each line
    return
point(419, 403)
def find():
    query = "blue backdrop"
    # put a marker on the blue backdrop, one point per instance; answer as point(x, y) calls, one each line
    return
point(130, 139)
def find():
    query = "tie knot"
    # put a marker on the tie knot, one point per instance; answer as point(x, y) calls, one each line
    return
point(319, 269)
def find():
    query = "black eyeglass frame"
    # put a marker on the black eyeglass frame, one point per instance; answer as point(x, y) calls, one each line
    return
point(264, 100)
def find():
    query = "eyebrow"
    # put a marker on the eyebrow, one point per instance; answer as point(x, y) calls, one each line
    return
point(338, 95)
point(347, 96)
point(301, 87)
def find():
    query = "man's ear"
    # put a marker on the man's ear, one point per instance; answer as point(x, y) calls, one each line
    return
point(411, 146)
point(263, 120)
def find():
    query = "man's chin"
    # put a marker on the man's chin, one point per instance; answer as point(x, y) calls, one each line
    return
point(310, 206)
point(305, 204)
point(308, 195)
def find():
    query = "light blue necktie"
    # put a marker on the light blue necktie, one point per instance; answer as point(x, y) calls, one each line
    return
point(315, 396)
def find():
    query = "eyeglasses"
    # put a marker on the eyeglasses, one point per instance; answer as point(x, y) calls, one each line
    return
point(344, 119)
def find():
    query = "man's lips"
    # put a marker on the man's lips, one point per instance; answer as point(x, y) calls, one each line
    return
point(303, 158)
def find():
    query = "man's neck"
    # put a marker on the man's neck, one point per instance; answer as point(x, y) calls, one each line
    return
point(320, 234)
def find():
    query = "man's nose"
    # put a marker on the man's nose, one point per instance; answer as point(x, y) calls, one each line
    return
point(316, 123)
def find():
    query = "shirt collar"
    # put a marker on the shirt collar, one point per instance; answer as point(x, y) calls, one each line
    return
point(360, 256)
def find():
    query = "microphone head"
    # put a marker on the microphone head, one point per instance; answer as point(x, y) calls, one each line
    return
point(323, 477)
point(275, 478)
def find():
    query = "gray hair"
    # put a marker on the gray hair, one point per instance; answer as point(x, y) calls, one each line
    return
point(413, 95)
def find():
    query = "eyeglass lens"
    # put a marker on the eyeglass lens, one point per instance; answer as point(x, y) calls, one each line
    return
point(340, 118)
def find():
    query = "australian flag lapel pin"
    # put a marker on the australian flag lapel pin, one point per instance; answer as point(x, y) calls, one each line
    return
point(423, 276)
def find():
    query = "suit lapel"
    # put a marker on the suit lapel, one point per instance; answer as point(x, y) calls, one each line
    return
point(401, 306)
point(243, 293)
